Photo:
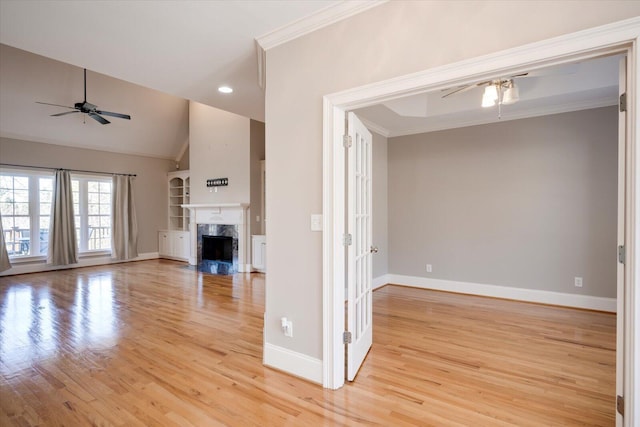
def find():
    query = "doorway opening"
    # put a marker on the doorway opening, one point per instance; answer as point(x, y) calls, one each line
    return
point(555, 52)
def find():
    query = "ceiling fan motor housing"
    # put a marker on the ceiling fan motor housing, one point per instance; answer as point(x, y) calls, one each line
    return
point(85, 107)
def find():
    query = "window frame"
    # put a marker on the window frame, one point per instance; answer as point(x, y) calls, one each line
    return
point(34, 211)
point(83, 203)
point(34, 216)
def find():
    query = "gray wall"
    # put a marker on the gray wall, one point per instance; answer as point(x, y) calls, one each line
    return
point(218, 148)
point(256, 154)
point(526, 203)
point(380, 263)
point(150, 184)
point(184, 161)
point(390, 40)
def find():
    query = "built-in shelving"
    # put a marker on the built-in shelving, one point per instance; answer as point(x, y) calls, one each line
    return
point(175, 241)
point(179, 184)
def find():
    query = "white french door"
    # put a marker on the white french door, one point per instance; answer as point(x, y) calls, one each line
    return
point(620, 293)
point(359, 251)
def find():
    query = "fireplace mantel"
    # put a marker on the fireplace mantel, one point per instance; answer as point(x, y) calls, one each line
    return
point(221, 213)
point(216, 205)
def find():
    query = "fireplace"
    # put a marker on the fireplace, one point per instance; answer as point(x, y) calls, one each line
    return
point(227, 220)
point(217, 248)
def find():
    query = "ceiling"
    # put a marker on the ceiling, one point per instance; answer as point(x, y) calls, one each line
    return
point(144, 58)
point(159, 125)
point(563, 88)
point(147, 58)
point(183, 48)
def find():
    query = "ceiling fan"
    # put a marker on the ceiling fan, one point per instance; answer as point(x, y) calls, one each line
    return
point(502, 91)
point(88, 108)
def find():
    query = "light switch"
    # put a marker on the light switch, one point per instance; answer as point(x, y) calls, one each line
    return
point(316, 222)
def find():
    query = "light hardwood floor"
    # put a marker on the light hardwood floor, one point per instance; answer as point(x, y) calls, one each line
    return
point(155, 343)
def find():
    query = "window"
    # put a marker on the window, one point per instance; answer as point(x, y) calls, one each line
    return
point(25, 205)
point(92, 208)
point(99, 218)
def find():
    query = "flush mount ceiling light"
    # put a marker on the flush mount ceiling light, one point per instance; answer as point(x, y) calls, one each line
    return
point(225, 89)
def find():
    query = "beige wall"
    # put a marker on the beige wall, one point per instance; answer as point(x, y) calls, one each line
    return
point(150, 183)
point(256, 155)
point(184, 161)
point(390, 40)
point(380, 264)
point(526, 203)
point(219, 147)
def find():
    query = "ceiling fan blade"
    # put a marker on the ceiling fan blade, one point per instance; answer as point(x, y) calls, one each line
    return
point(65, 113)
point(98, 118)
point(55, 105)
point(109, 113)
point(462, 89)
point(459, 90)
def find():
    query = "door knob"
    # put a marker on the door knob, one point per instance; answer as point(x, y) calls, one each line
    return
point(374, 249)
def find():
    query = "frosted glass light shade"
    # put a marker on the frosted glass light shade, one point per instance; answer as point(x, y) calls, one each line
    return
point(490, 96)
point(511, 94)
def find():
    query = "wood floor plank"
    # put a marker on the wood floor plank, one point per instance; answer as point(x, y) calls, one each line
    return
point(156, 343)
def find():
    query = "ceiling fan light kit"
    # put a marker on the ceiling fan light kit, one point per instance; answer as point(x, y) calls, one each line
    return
point(503, 92)
point(87, 108)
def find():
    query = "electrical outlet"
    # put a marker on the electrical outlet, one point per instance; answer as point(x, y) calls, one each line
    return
point(429, 268)
point(577, 281)
point(287, 327)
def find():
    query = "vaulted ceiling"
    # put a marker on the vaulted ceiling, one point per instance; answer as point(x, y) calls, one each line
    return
point(183, 48)
point(159, 124)
point(144, 58)
point(148, 58)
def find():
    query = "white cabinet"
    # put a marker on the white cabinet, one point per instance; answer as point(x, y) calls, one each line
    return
point(259, 252)
point(174, 244)
point(179, 194)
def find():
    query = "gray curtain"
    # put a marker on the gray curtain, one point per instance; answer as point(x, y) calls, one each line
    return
point(124, 226)
point(5, 264)
point(63, 247)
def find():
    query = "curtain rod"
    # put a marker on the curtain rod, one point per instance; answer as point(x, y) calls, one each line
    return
point(70, 170)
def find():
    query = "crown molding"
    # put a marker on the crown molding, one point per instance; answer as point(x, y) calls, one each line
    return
point(374, 127)
point(315, 21)
point(322, 18)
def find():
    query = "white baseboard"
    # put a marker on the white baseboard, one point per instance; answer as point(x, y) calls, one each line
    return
point(379, 281)
point(292, 362)
point(245, 268)
point(88, 261)
point(519, 294)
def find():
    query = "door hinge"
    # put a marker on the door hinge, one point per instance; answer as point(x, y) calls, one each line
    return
point(622, 254)
point(346, 337)
point(623, 102)
point(620, 405)
point(346, 141)
point(346, 239)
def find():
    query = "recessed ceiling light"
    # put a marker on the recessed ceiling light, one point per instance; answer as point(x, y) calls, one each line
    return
point(225, 89)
